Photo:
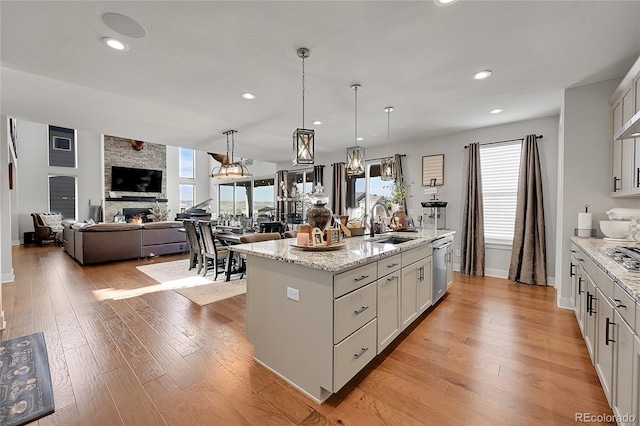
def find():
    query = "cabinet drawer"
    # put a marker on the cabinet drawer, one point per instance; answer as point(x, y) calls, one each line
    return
point(353, 310)
point(389, 265)
point(625, 305)
point(348, 281)
point(413, 255)
point(352, 354)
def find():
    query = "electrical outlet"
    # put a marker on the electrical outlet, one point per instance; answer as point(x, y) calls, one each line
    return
point(293, 294)
point(458, 253)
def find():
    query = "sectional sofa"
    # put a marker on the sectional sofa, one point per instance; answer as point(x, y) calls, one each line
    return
point(110, 242)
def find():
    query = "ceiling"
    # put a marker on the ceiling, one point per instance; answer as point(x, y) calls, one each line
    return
point(181, 84)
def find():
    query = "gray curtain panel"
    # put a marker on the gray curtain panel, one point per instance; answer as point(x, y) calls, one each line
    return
point(529, 254)
point(338, 201)
point(472, 261)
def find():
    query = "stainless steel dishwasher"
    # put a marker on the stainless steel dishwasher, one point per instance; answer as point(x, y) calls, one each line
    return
point(442, 266)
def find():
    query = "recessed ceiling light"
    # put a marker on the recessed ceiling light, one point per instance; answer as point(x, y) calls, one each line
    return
point(481, 75)
point(316, 122)
point(635, 135)
point(444, 2)
point(496, 111)
point(248, 95)
point(124, 25)
point(115, 43)
point(359, 139)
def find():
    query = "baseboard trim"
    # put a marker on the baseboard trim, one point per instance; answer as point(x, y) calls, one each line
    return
point(8, 278)
point(498, 273)
point(565, 303)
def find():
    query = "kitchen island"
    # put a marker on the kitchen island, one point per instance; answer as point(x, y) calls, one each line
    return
point(317, 318)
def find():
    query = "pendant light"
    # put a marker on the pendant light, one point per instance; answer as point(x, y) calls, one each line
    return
point(387, 164)
point(355, 154)
point(303, 139)
point(230, 169)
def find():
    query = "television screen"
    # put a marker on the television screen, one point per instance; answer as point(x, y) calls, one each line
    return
point(135, 180)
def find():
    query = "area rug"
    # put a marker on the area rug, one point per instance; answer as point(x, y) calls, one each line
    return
point(188, 283)
point(26, 393)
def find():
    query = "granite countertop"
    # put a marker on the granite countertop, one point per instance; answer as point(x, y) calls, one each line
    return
point(595, 247)
point(357, 250)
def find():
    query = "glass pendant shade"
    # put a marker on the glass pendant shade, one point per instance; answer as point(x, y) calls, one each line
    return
point(387, 169)
point(230, 169)
point(303, 146)
point(355, 161)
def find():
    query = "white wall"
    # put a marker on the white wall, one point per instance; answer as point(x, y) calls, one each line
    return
point(585, 159)
point(452, 146)
point(6, 260)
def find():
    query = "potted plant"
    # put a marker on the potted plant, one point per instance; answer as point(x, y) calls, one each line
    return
point(399, 192)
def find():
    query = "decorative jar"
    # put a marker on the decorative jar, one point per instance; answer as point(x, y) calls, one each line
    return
point(319, 215)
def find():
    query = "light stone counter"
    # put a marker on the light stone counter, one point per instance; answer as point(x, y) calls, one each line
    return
point(357, 250)
point(595, 249)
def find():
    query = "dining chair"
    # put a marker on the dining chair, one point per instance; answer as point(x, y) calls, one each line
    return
point(214, 251)
point(195, 248)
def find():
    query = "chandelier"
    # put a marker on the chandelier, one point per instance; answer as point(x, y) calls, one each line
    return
point(355, 154)
point(387, 165)
point(303, 138)
point(230, 169)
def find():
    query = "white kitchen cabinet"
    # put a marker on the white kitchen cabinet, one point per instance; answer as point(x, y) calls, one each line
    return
point(592, 308)
point(635, 178)
point(604, 344)
point(424, 284)
point(635, 395)
point(388, 309)
point(623, 370)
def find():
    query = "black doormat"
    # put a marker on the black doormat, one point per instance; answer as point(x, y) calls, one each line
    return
point(25, 380)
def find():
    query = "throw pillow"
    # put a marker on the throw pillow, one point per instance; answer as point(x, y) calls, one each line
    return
point(53, 221)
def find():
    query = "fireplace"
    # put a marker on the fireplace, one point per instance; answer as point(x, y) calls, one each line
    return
point(133, 214)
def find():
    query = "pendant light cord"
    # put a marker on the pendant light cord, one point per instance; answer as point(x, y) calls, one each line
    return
point(356, 120)
point(303, 56)
point(388, 128)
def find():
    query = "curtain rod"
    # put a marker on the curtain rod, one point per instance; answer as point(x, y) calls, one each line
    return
point(510, 140)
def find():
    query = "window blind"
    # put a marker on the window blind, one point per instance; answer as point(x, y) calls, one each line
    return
point(500, 167)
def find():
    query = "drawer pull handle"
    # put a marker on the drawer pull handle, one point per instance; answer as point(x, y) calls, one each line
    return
point(393, 265)
point(364, 308)
point(392, 278)
point(606, 332)
point(617, 302)
point(362, 352)
point(361, 278)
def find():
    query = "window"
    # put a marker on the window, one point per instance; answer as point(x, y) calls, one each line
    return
point(368, 194)
point(247, 199)
point(187, 196)
point(187, 163)
point(500, 166)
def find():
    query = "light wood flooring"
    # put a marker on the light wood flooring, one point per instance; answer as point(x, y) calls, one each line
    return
point(492, 352)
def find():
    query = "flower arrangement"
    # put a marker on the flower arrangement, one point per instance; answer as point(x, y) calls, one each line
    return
point(399, 191)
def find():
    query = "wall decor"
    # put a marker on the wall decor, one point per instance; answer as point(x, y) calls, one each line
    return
point(14, 136)
point(62, 144)
point(433, 170)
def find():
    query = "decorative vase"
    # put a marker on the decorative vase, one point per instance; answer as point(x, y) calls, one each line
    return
point(319, 215)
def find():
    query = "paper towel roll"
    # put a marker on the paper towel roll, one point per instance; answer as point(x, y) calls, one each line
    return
point(584, 224)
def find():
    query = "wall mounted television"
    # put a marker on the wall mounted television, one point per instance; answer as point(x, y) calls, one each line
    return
point(135, 180)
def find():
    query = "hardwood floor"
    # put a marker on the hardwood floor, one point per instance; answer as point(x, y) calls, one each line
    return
point(492, 352)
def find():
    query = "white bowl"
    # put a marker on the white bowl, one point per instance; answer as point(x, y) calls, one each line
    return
point(615, 228)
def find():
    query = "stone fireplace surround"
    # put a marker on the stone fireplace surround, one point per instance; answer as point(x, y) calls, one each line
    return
point(119, 152)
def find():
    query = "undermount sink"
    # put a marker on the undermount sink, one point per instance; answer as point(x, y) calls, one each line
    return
point(392, 240)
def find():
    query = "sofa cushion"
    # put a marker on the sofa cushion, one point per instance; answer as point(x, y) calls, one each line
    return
point(110, 227)
point(163, 225)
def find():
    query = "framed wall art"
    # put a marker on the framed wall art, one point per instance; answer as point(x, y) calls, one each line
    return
point(433, 170)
